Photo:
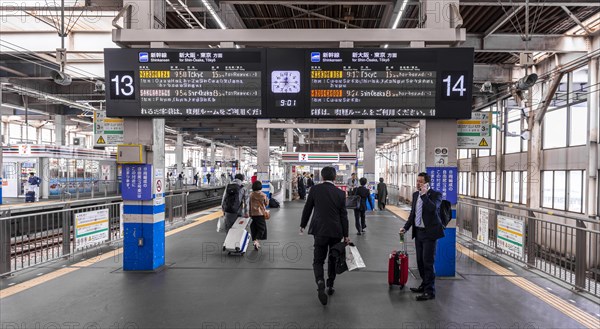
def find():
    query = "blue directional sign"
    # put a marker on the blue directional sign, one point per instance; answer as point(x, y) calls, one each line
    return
point(445, 180)
point(136, 182)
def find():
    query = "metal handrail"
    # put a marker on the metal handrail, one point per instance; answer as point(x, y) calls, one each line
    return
point(529, 217)
point(551, 213)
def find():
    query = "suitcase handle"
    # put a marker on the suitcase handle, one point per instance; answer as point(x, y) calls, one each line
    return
point(402, 242)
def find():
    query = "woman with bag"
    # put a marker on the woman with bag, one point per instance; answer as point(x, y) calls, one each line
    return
point(259, 213)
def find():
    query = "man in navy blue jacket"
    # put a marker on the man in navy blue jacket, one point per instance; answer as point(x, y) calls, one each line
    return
point(329, 225)
point(427, 227)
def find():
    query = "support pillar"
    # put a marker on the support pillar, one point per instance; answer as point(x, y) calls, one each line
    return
point(289, 147)
point(213, 159)
point(179, 154)
point(144, 220)
point(369, 149)
point(499, 145)
point(59, 130)
point(593, 108)
point(263, 141)
point(432, 134)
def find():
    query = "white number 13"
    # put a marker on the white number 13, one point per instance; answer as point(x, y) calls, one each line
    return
point(459, 85)
point(127, 88)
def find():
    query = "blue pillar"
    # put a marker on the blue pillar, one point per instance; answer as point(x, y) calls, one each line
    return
point(445, 180)
point(0, 188)
point(142, 187)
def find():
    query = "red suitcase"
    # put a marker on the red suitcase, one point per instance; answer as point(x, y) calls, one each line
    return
point(398, 266)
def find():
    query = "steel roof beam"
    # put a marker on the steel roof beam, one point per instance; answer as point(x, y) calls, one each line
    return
point(507, 17)
point(531, 4)
point(309, 2)
point(271, 37)
point(514, 42)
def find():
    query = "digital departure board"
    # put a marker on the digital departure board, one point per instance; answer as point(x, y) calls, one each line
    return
point(291, 83)
point(184, 83)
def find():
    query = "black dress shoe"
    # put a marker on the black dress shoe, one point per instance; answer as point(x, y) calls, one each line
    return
point(419, 289)
point(330, 291)
point(321, 292)
point(425, 296)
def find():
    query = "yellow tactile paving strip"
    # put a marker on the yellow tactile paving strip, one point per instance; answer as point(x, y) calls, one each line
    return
point(577, 314)
point(4, 293)
point(26, 204)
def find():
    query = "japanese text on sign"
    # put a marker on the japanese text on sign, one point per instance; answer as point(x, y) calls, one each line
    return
point(445, 181)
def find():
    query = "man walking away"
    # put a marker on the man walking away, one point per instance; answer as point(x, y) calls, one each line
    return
point(427, 227)
point(381, 194)
point(235, 201)
point(329, 225)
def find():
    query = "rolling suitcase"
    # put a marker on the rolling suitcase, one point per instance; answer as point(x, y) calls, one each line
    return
point(398, 266)
point(237, 239)
point(30, 196)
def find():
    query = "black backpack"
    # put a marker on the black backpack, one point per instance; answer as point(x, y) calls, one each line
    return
point(232, 201)
point(273, 203)
point(446, 212)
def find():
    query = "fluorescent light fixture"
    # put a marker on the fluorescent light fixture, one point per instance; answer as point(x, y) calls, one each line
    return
point(386, 45)
point(213, 13)
point(82, 121)
point(400, 12)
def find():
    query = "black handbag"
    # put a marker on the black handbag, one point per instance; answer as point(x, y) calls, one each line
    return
point(338, 252)
point(353, 202)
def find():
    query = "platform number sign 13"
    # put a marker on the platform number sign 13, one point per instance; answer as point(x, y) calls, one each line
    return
point(122, 85)
point(454, 85)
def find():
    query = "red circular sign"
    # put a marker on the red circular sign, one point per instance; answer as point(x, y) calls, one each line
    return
point(158, 186)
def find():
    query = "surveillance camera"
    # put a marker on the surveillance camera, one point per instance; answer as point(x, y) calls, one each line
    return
point(486, 87)
point(99, 86)
point(527, 82)
point(61, 78)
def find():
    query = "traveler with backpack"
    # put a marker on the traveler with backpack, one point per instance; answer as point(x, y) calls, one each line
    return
point(235, 201)
point(360, 213)
point(427, 227)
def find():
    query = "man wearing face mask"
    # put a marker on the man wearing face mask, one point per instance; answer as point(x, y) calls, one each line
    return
point(427, 227)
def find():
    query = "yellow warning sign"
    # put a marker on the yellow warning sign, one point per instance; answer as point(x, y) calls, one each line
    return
point(101, 140)
point(483, 142)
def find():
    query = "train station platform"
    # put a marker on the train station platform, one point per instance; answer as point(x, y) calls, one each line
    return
point(202, 287)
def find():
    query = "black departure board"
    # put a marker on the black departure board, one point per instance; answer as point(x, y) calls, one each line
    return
point(425, 83)
point(185, 83)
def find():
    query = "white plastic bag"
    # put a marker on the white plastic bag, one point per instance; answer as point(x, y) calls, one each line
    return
point(221, 224)
point(353, 258)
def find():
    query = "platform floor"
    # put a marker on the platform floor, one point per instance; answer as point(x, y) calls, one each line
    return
point(202, 287)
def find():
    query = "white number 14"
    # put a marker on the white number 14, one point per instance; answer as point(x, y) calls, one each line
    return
point(459, 85)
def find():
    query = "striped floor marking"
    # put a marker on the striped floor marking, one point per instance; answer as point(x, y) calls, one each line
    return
point(575, 313)
point(15, 289)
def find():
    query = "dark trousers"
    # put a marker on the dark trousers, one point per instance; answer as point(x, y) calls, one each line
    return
point(360, 219)
point(381, 204)
point(425, 259)
point(258, 228)
point(322, 245)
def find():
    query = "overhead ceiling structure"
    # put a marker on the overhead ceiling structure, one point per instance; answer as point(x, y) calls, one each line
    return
point(498, 30)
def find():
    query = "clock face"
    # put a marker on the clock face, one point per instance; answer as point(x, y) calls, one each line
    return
point(285, 82)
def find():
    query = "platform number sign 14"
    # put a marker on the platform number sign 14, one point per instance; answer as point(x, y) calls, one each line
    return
point(453, 85)
point(122, 85)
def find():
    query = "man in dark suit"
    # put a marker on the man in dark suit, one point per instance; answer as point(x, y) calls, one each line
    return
point(329, 225)
point(427, 227)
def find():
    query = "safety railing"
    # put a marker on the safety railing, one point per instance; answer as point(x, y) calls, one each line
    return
point(86, 189)
point(176, 207)
point(33, 239)
point(393, 195)
point(564, 246)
